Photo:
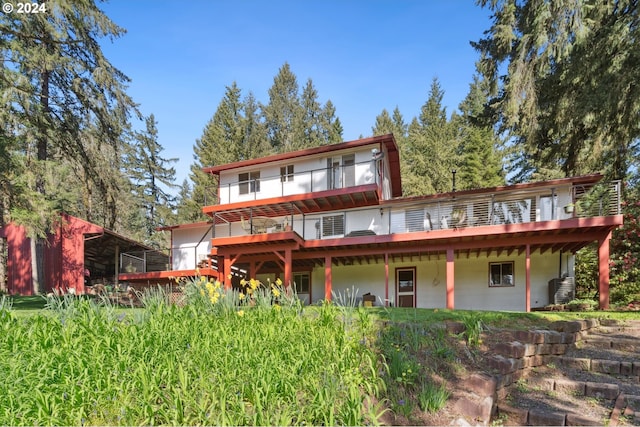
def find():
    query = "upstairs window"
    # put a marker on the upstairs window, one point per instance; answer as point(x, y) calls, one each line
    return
point(286, 173)
point(414, 219)
point(249, 182)
point(501, 274)
point(333, 225)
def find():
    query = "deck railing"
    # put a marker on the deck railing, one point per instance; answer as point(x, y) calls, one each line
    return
point(288, 182)
point(463, 211)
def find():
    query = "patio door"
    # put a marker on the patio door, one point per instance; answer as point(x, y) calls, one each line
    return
point(406, 287)
point(341, 171)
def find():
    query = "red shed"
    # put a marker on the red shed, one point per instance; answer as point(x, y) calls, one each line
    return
point(76, 251)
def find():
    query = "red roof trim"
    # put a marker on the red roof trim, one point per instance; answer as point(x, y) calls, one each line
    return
point(200, 224)
point(386, 139)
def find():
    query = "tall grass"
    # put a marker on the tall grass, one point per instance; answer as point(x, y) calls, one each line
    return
point(228, 360)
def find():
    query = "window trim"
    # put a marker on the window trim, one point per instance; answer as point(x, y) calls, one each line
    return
point(248, 182)
point(286, 173)
point(327, 218)
point(503, 283)
point(296, 284)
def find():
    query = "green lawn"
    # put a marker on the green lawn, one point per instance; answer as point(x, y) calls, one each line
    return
point(229, 358)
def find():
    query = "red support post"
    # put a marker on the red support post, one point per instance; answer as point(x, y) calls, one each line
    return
point(603, 271)
point(527, 269)
point(327, 278)
point(450, 279)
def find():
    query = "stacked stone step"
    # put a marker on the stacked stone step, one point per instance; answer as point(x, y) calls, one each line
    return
point(529, 349)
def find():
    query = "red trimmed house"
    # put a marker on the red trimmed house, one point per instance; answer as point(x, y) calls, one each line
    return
point(76, 252)
point(332, 218)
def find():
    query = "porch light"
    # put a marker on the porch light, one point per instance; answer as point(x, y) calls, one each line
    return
point(376, 154)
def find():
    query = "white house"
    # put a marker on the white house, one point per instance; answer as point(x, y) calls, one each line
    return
point(332, 218)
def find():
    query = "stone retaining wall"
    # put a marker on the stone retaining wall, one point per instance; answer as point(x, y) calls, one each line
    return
point(513, 360)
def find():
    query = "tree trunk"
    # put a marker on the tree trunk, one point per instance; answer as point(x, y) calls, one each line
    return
point(38, 242)
point(3, 255)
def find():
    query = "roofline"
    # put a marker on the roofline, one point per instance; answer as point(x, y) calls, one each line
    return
point(583, 179)
point(185, 226)
point(387, 139)
point(104, 230)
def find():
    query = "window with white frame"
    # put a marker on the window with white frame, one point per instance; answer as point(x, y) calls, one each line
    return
point(333, 225)
point(249, 182)
point(501, 274)
point(286, 173)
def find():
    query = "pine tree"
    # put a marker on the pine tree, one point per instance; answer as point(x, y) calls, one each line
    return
point(187, 210)
point(152, 178)
point(57, 86)
point(430, 149)
point(569, 96)
point(222, 141)
point(331, 126)
point(480, 162)
point(255, 143)
point(283, 112)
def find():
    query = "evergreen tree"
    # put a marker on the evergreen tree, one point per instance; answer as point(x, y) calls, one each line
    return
point(331, 126)
point(255, 142)
point(386, 124)
point(569, 95)
point(152, 177)
point(187, 210)
point(283, 112)
point(430, 149)
point(57, 86)
point(480, 161)
point(222, 141)
point(311, 120)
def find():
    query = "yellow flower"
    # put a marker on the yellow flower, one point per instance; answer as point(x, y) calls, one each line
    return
point(276, 307)
point(276, 293)
point(243, 282)
point(229, 276)
point(254, 284)
point(217, 284)
point(202, 292)
point(241, 296)
point(278, 282)
point(240, 313)
point(203, 279)
point(213, 299)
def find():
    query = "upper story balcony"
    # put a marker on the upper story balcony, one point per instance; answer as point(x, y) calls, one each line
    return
point(347, 175)
point(571, 204)
point(521, 204)
point(260, 185)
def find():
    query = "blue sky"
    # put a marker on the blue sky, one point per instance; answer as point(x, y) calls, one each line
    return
point(364, 56)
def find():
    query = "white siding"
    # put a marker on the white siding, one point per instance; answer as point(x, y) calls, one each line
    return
point(186, 252)
point(472, 291)
point(310, 175)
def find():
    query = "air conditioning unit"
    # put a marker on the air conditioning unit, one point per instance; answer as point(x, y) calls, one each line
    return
point(562, 290)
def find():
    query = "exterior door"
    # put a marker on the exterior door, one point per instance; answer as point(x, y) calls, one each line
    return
point(349, 172)
point(406, 287)
point(333, 174)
